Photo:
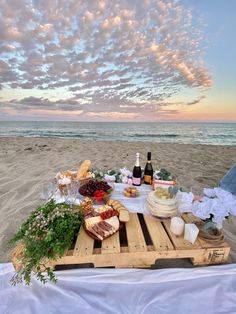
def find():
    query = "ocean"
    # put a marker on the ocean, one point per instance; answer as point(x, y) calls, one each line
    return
point(187, 133)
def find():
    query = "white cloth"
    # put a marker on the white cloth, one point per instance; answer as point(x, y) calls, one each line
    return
point(216, 202)
point(135, 204)
point(180, 291)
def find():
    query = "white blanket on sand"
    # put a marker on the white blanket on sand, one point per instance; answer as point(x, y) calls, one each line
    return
point(177, 290)
point(196, 290)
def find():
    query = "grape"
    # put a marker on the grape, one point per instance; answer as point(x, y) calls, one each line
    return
point(90, 187)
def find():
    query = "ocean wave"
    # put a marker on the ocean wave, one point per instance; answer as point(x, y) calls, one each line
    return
point(187, 133)
point(155, 135)
point(228, 136)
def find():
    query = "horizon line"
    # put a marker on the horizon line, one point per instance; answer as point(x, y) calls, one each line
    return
point(101, 121)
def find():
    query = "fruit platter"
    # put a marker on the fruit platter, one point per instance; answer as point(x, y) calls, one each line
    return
point(104, 221)
point(98, 191)
point(131, 192)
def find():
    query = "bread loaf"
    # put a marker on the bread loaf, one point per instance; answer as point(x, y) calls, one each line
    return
point(83, 169)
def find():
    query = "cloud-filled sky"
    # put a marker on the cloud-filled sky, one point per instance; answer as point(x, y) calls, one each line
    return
point(126, 60)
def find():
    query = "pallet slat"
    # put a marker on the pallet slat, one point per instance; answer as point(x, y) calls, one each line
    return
point(84, 244)
point(158, 234)
point(111, 244)
point(136, 241)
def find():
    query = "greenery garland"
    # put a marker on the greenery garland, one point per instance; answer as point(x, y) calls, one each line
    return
point(46, 235)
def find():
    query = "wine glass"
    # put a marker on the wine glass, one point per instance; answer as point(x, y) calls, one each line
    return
point(71, 193)
point(48, 190)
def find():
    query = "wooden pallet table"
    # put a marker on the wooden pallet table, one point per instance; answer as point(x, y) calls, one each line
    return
point(142, 241)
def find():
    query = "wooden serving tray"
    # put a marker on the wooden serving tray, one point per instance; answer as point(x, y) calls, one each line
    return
point(142, 241)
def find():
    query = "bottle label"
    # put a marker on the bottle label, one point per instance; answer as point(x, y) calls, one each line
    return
point(147, 179)
point(137, 181)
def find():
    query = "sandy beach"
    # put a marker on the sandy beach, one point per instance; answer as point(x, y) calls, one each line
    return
point(25, 163)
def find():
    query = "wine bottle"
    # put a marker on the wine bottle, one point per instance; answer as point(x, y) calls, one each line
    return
point(137, 172)
point(148, 171)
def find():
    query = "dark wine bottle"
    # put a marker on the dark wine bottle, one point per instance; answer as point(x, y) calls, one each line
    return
point(148, 171)
point(137, 172)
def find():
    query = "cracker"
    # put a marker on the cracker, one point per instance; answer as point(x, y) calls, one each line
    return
point(124, 215)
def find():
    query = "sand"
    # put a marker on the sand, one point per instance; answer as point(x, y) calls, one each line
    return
point(26, 163)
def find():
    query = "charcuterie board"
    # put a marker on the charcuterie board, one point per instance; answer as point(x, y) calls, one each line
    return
point(104, 221)
point(101, 223)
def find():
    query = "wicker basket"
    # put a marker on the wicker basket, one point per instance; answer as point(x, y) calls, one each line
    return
point(17, 256)
point(84, 180)
point(81, 181)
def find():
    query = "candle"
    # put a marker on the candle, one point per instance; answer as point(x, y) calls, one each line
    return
point(177, 225)
point(191, 232)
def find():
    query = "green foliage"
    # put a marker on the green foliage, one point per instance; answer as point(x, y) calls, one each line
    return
point(164, 174)
point(46, 234)
point(100, 174)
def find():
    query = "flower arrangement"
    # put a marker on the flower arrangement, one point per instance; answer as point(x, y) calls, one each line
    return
point(120, 176)
point(46, 235)
point(124, 175)
point(216, 205)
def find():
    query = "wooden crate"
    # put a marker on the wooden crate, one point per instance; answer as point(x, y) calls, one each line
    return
point(142, 241)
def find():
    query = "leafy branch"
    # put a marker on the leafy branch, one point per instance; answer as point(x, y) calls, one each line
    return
point(46, 235)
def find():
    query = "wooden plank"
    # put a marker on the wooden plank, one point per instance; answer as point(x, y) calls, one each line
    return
point(212, 256)
point(136, 241)
point(158, 234)
point(132, 259)
point(178, 241)
point(111, 244)
point(84, 244)
point(190, 218)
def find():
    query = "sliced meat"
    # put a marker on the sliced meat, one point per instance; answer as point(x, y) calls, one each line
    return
point(95, 214)
point(103, 228)
point(99, 230)
point(108, 227)
point(91, 229)
point(92, 214)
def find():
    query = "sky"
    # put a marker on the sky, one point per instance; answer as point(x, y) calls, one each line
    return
point(126, 60)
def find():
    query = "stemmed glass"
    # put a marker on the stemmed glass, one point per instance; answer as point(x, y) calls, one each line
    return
point(48, 190)
point(71, 193)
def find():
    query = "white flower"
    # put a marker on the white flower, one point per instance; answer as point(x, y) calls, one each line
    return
point(124, 179)
point(209, 192)
point(110, 178)
point(201, 210)
point(125, 172)
point(64, 181)
point(218, 203)
point(184, 197)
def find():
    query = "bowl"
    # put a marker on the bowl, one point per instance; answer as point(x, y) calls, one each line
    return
point(99, 191)
point(131, 192)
